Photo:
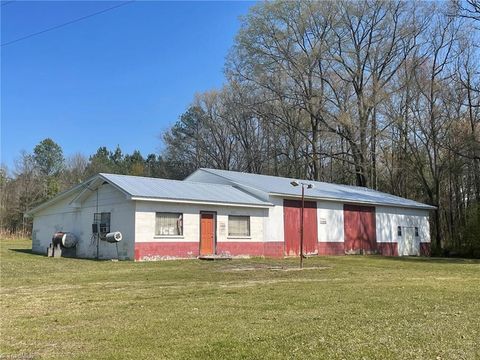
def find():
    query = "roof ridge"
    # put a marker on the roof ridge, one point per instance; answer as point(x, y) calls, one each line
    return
point(280, 177)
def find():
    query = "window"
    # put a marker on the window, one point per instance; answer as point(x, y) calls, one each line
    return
point(101, 222)
point(416, 232)
point(399, 230)
point(168, 223)
point(238, 225)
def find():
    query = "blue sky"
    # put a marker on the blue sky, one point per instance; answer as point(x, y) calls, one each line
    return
point(121, 77)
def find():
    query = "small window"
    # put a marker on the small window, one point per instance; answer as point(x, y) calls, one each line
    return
point(399, 230)
point(238, 225)
point(416, 232)
point(102, 222)
point(168, 223)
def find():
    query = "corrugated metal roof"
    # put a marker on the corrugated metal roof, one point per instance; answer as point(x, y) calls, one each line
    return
point(321, 190)
point(155, 188)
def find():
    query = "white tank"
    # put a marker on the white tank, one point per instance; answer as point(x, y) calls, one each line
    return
point(66, 239)
point(114, 237)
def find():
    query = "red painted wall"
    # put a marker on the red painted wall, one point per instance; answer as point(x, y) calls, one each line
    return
point(360, 228)
point(157, 250)
point(249, 248)
point(331, 248)
point(387, 249)
point(240, 248)
point(292, 222)
point(273, 249)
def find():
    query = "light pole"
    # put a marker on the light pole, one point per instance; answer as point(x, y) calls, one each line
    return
point(309, 186)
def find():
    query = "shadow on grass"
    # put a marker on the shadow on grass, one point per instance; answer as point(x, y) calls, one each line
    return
point(30, 252)
point(26, 251)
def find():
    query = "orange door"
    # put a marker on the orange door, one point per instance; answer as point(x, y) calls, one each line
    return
point(207, 234)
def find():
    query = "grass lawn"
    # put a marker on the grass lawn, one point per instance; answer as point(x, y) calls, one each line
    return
point(348, 307)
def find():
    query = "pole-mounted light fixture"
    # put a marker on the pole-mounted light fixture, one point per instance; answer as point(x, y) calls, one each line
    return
point(308, 186)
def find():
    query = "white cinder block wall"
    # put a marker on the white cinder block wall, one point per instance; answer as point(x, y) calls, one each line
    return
point(146, 212)
point(275, 226)
point(64, 217)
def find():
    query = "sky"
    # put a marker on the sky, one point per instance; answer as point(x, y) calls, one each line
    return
point(121, 77)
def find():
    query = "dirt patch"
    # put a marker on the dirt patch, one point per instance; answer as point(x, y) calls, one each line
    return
point(291, 268)
point(271, 268)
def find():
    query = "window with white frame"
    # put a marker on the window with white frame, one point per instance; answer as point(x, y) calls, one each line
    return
point(168, 223)
point(238, 225)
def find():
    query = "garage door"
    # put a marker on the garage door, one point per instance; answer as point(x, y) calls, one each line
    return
point(291, 215)
point(360, 231)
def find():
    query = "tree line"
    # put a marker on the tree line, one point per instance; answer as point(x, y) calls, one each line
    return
point(368, 93)
point(42, 174)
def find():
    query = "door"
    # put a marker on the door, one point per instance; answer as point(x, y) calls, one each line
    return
point(207, 233)
point(292, 224)
point(408, 244)
point(360, 229)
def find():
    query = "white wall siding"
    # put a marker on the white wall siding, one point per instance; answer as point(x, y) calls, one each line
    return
point(332, 214)
point(63, 217)
point(145, 221)
point(275, 228)
point(389, 218)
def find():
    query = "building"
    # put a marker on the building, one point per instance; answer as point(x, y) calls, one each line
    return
point(229, 213)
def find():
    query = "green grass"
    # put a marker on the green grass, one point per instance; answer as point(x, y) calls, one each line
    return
point(344, 308)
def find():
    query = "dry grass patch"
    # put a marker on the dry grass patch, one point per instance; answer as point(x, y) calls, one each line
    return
point(341, 308)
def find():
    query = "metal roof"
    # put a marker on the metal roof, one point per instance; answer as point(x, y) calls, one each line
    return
point(154, 188)
point(274, 185)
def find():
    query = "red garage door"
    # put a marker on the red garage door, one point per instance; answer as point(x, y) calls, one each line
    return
point(359, 225)
point(291, 216)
